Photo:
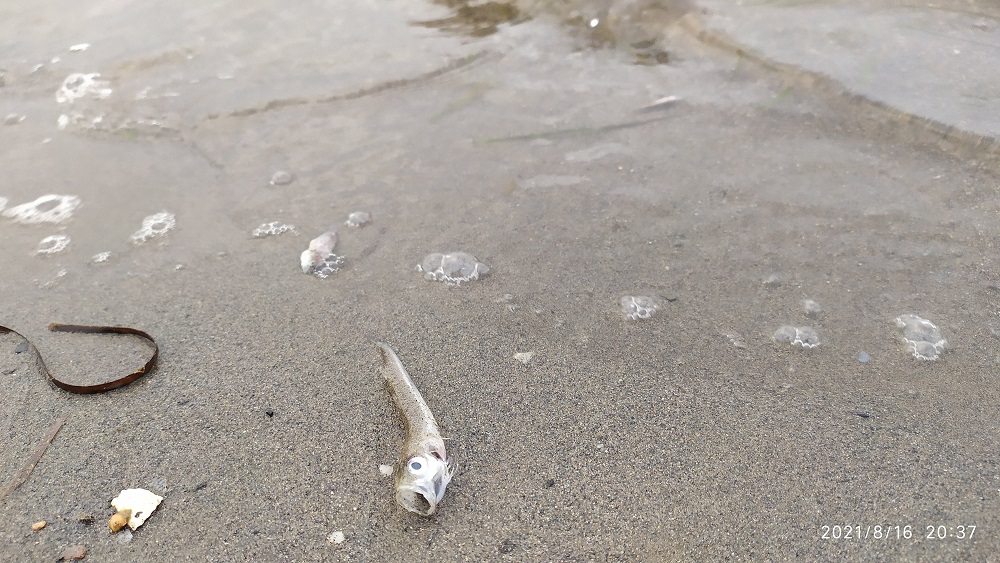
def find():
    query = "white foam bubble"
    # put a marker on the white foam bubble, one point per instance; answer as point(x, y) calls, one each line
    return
point(637, 307)
point(100, 257)
point(79, 47)
point(923, 339)
point(453, 268)
point(50, 208)
point(811, 308)
point(358, 219)
point(154, 226)
point(79, 85)
point(273, 228)
point(53, 244)
point(282, 178)
point(801, 336)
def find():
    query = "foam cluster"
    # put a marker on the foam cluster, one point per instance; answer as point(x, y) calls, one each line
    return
point(50, 208)
point(79, 85)
point(801, 336)
point(53, 244)
point(154, 226)
point(922, 338)
point(271, 229)
point(637, 307)
point(454, 268)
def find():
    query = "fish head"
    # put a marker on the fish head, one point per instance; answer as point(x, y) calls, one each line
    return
point(421, 482)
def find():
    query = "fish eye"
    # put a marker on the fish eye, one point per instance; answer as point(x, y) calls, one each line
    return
point(416, 464)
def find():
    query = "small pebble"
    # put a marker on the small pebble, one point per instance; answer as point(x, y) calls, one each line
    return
point(385, 470)
point(864, 358)
point(74, 553)
point(38, 525)
point(21, 347)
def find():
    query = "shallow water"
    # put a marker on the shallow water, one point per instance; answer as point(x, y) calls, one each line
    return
point(534, 137)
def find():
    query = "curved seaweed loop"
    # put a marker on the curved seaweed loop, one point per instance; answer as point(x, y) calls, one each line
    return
point(99, 387)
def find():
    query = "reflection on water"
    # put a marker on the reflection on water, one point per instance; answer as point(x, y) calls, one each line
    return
point(476, 19)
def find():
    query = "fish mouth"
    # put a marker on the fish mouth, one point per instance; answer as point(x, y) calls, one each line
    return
point(421, 498)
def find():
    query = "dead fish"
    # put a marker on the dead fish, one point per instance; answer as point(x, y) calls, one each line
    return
point(424, 469)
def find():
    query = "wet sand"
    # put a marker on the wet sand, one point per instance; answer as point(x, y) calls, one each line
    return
point(266, 421)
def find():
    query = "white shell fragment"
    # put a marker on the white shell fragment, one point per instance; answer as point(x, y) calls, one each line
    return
point(923, 338)
point(319, 259)
point(524, 357)
point(454, 268)
point(801, 336)
point(637, 307)
point(141, 502)
point(385, 470)
point(337, 538)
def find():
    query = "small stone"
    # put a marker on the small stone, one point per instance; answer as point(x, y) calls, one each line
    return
point(21, 347)
point(38, 525)
point(864, 358)
point(549, 483)
point(506, 546)
point(385, 470)
point(74, 553)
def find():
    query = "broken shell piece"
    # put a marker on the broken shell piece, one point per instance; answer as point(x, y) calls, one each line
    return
point(38, 525)
point(524, 357)
point(141, 502)
point(385, 470)
point(119, 520)
point(337, 538)
point(319, 258)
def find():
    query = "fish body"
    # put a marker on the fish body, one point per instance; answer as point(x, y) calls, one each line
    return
point(424, 469)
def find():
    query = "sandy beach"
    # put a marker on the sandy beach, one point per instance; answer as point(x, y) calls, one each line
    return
point(689, 436)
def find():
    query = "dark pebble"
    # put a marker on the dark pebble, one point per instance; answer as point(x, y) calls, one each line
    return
point(549, 483)
point(269, 413)
point(21, 347)
point(506, 547)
